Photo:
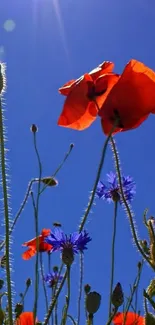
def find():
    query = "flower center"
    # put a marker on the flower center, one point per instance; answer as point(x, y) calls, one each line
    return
point(68, 254)
point(117, 117)
point(115, 195)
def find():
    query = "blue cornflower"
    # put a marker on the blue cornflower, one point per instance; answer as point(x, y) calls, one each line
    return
point(112, 191)
point(68, 245)
point(53, 278)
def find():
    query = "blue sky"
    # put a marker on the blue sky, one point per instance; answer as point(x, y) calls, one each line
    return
point(53, 42)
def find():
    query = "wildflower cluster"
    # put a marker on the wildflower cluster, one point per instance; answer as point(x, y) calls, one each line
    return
point(122, 102)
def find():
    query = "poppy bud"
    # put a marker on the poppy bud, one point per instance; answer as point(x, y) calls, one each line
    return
point(18, 309)
point(28, 282)
point(117, 297)
point(50, 181)
point(55, 269)
point(139, 265)
point(87, 288)
point(2, 78)
point(67, 256)
point(151, 289)
point(149, 319)
point(93, 301)
point(71, 145)
point(1, 283)
point(34, 128)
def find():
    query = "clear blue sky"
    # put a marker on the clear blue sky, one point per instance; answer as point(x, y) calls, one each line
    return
point(53, 42)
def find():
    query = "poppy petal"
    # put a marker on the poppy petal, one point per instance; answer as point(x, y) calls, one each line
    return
point(32, 242)
point(66, 88)
point(25, 318)
point(103, 86)
point(28, 254)
point(45, 232)
point(131, 319)
point(44, 247)
point(107, 125)
point(133, 96)
point(78, 111)
point(105, 67)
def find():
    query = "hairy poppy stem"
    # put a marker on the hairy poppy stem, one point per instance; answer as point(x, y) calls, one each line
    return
point(36, 212)
point(43, 282)
point(80, 288)
point(6, 214)
point(127, 207)
point(64, 318)
point(54, 300)
point(91, 200)
point(113, 255)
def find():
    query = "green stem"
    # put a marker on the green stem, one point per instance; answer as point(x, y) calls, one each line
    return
point(57, 281)
point(54, 300)
point(134, 288)
point(113, 255)
point(43, 282)
point(19, 211)
point(6, 215)
point(127, 207)
point(72, 319)
point(112, 316)
point(90, 319)
point(64, 319)
point(80, 288)
point(49, 262)
point(36, 212)
point(59, 167)
point(56, 314)
point(84, 218)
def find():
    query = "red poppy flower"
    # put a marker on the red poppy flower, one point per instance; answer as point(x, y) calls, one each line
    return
point(80, 109)
point(25, 318)
point(131, 319)
point(131, 99)
point(32, 244)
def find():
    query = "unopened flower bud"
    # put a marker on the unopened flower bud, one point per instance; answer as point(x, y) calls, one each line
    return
point(49, 181)
point(71, 145)
point(55, 269)
point(34, 128)
point(93, 301)
point(87, 288)
point(18, 309)
point(28, 282)
point(67, 256)
point(117, 297)
point(1, 283)
point(139, 265)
